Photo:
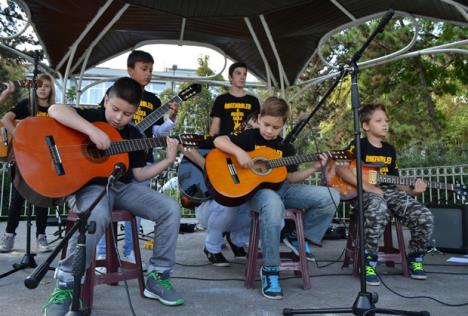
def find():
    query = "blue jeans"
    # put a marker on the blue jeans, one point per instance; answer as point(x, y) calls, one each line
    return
point(128, 240)
point(319, 208)
point(218, 219)
point(139, 200)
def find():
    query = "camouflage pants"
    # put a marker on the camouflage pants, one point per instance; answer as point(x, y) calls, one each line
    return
point(406, 209)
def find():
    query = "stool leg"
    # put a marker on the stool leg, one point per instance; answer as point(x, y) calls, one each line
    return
point(252, 254)
point(388, 244)
point(112, 263)
point(87, 289)
point(401, 246)
point(304, 266)
point(136, 249)
point(349, 248)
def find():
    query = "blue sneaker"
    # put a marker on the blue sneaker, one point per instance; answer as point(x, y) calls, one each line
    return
point(271, 287)
point(293, 244)
point(416, 267)
point(371, 276)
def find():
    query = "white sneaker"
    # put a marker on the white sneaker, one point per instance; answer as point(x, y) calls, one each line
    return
point(101, 270)
point(41, 244)
point(130, 257)
point(7, 242)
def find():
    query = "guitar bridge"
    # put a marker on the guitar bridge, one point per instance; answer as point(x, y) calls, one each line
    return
point(232, 171)
point(55, 155)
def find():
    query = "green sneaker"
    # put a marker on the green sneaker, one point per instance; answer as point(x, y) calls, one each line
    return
point(371, 276)
point(158, 286)
point(59, 302)
point(416, 267)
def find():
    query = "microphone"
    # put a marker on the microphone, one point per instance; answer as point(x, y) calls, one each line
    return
point(118, 171)
point(385, 19)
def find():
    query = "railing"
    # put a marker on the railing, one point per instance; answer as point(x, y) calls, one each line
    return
point(445, 174)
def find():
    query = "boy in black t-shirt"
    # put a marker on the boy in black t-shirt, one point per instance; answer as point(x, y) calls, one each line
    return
point(45, 96)
point(317, 202)
point(140, 67)
point(380, 200)
point(120, 105)
point(233, 108)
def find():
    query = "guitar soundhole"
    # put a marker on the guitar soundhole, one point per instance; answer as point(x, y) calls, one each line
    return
point(260, 167)
point(94, 154)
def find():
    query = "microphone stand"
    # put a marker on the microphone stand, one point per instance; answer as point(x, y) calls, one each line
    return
point(364, 304)
point(79, 260)
point(28, 259)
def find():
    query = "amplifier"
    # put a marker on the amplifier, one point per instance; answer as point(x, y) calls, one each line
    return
point(450, 227)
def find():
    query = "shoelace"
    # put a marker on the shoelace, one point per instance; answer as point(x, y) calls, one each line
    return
point(59, 296)
point(417, 266)
point(166, 283)
point(272, 281)
point(370, 270)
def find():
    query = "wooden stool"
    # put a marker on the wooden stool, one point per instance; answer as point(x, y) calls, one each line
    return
point(297, 264)
point(387, 253)
point(112, 275)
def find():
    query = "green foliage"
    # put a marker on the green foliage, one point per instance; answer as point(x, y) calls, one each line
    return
point(426, 96)
point(11, 69)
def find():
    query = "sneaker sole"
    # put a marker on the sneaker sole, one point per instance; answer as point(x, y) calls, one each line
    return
point(373, 283)
point(224, 264)
point(151, 295)
point(419, 277)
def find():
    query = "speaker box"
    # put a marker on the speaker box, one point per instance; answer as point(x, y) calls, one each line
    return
point(450, 227)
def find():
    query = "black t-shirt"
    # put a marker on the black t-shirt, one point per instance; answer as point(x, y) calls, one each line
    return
point(384, 156)
point(149, 102)
point(233, 111)
point(22, 110)
point(137, 159)
point(251, 139)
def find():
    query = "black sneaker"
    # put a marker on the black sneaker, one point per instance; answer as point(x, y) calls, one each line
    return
point(239, 252)
point(416, 267)
point(59, 302)
point(216, 259)
point(271, 287)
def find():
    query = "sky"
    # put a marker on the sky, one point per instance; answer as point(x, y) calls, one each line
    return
point(166, 55)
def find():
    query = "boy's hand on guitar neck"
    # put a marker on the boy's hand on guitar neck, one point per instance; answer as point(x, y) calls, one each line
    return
point(171, 149)
point(174, 108)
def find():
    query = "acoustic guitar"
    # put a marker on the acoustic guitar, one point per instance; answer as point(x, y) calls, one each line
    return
point(231, 185)
point(371, 175)
point(55, 160)
point(5, 144)
point(21, 84)
point(154, 116)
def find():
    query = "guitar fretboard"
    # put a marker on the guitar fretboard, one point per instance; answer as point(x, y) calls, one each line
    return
point(411, 181)
point(125, 146)
point(298, 159)
point(156, 115)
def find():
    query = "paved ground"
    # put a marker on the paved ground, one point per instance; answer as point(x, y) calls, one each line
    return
point(212, 290)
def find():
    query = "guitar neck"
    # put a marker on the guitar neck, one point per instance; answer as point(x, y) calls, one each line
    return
point(154, 116)
point(411, 181)
point(295, 160)
point(18, 84)
point(125, 146)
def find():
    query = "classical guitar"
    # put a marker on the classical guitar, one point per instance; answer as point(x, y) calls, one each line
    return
point(21, 84)
point(371, 175)
point(55, 160)
point(154, 116)
point(230, 184)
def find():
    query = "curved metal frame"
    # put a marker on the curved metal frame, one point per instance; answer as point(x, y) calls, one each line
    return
point(26, 10)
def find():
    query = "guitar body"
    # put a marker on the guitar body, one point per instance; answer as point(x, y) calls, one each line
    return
point(231, 190)
point(192, 181)
point(349, 191)
point(80, 160)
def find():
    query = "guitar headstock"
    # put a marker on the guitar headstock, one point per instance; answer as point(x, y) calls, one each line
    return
point(190, 91)
point(189, 141)
point(338, 155)
point(460, 190)
point(29, 83)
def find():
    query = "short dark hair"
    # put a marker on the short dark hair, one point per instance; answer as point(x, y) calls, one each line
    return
point(127, 89)
point(236, 65)
point(274, 106)
point(366, 111)
point(139, 56)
